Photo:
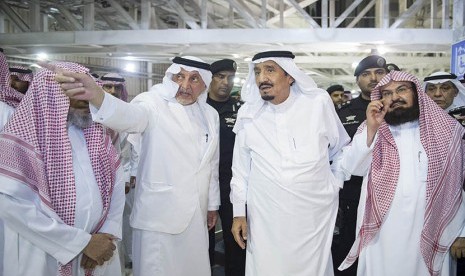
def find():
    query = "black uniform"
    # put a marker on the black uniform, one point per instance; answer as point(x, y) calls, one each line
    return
point(234, 255)
point(352, 115)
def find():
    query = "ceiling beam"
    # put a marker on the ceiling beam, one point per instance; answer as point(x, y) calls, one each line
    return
point(290, 11)
point(408, 14)
point(304, 14)
point(190, 21)
point(290, 38)
point(242, 12)
point(14, 17)
point(70, 17)
point(346, 13)
point(124, 14)
point(361, 14)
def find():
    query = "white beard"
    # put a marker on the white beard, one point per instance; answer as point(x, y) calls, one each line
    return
point(80, 120)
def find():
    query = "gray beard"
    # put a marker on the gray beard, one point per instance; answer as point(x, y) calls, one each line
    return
point(81, 121)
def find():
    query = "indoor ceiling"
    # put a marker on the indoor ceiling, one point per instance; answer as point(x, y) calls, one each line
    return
point(328, 36)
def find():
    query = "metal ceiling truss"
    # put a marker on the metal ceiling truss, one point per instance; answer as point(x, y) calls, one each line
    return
point(328, 36)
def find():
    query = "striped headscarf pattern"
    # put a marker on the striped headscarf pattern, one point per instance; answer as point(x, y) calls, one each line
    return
point(8, 95)
point(441, 136)
point(35, 149)
point(23, 73)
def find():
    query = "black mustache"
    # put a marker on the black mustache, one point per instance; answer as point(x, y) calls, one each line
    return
point(398, 101)
point(265, 83)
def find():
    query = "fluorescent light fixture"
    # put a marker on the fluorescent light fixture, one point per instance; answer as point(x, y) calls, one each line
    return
point(42, 56)
point(130, 67)
point(381, 50)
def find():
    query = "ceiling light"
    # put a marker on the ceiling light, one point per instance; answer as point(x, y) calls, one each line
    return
point(42, 56)
point(130, 67)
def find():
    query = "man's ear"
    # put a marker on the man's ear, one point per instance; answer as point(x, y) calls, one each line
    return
point(291, 81)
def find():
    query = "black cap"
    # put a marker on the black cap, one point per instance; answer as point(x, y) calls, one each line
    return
point(336, 87)
point(285, 54)
point(392, 67)
point(223, 65)
point(192, 63)
point(20, 70)
point(373, 61)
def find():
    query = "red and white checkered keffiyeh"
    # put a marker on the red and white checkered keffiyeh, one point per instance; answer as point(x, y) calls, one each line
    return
point(21, 75)
point(441, 136)
point(8, 95)
point(36, 151)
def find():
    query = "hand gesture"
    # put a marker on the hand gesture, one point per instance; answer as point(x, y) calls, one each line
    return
point(376, 111)
point(100, 247)
point(77, 86)
point(239, 231)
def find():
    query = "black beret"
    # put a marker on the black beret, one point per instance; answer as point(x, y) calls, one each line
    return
point(223, 65)
point(336, 87)
point(373, 61)
point(192, 63)
point(285, 54)
point(392, 67)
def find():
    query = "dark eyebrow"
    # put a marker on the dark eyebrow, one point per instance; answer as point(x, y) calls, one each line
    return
point(270, 67)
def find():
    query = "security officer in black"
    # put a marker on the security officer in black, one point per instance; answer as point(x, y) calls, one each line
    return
point(368, 73)
point(219, 97)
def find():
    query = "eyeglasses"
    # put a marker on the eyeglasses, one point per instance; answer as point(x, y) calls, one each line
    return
point(401, 90)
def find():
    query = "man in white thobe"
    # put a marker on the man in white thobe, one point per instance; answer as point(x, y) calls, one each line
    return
point(59, 218)
point(287, 132)
point(177, 195)
point(411, 208)
point(115, 85)
point(9, 100)
point(445, 90)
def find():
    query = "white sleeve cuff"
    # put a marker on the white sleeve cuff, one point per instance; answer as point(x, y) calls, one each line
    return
point(238, 210)
point(100, 114)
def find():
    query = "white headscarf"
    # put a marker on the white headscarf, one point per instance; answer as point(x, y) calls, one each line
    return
point(168, 88)
point(250, 93)
point(116, 79)
point(459, 100)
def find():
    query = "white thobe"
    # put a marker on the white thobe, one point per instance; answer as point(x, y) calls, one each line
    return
point(129, 160)
point(36, 239)
point(395, 250)
point(281, 170)
point(5, 113)
point(161, 242)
